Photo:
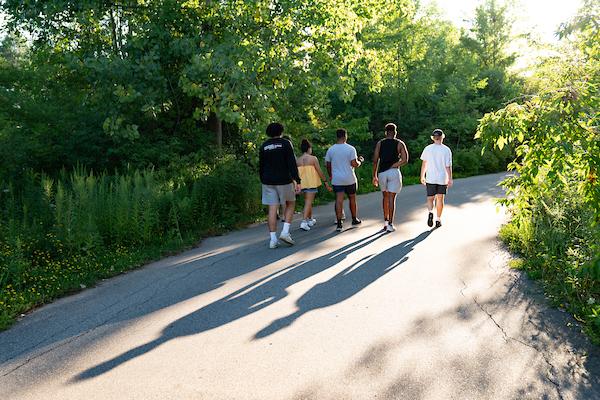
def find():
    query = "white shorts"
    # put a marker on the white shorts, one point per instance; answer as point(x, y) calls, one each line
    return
point(390, 180)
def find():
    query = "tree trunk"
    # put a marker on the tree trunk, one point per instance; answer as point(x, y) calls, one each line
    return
point(113, 31)
point(215, 124)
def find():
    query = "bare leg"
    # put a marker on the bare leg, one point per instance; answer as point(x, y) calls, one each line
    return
point(386, 211)
point(289, 211)
point(273, 209)
point(308, 201)
point(439, 204)
point(430, 203)
point(339, 205)
point(391, 206)
point(353, 207)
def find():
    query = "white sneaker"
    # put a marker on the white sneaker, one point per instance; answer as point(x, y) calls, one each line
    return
point(273, 244)
point(287, 239)
point(305, 226)
point(390, 228)
point(312, 222)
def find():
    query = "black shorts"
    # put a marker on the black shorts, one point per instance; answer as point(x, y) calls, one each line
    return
point(348, 189)
point(433, 189)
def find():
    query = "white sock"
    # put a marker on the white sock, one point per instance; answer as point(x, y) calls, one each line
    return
point(286, 228)
point(273, 236)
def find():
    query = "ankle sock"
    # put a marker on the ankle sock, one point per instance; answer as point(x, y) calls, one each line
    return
point(273, 236)
point(286, 228)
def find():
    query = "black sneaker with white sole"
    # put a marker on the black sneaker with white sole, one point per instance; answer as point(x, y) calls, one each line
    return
point(438, 224)
point(430, 220)
point(356, 221)
point(340, 226)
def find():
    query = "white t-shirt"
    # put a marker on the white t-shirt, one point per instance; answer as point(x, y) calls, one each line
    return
point(438, 157)
point(340, 155)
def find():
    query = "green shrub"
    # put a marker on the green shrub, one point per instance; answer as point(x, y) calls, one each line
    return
point(558, 245)
point(466, 162)
point(58, 234)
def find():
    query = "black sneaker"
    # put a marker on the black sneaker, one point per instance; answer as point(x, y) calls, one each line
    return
point(356, 221)
point(438, 224)
point(340, 226)
point(430, 219)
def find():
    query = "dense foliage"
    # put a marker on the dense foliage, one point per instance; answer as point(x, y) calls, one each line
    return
point(126, 125)
point(555, 194)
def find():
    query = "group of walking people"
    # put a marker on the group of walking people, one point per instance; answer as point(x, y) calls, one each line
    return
point(283, 176)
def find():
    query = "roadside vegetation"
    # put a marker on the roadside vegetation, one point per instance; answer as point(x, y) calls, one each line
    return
point(554, 197)
point(128, 130)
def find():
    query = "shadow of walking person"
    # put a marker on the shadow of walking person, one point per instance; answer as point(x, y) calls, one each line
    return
point(347, 283)
point(239, 304)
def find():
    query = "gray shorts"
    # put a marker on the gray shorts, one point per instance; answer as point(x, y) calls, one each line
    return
point(278, 194)
point(390, 180)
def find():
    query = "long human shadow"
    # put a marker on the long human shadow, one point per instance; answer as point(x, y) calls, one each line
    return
point(241, 303)
point(347, 283)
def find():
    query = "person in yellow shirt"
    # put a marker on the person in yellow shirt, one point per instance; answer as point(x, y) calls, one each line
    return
point(311, 177)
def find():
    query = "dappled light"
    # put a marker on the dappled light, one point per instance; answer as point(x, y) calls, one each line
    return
point(285, 199)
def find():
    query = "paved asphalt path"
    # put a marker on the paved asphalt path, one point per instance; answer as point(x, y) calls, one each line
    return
point(416, 314)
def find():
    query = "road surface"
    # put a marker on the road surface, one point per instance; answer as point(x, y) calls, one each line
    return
point(415, 314)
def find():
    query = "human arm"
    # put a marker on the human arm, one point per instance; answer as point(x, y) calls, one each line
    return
point(423, 169)
point(317, 166)
point(403, 152)
point(292, 165)
point(328, 164)
point(449, 172)
point(376, 163)
point(355, 160)
point(449, 167)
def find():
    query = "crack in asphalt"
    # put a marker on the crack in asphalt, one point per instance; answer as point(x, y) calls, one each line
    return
point(552, 369)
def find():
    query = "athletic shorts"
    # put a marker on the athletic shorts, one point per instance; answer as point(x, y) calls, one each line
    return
point(433, 189)
point(390, 180)
point(348, 189)
point(310, 190)
point(278, 194)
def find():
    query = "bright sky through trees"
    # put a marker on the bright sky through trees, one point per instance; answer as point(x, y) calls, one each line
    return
point(539, 17)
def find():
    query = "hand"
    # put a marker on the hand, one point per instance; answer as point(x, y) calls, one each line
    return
point(423, 182)
point(450, 183)
point(375, 181)
point(328, 187)
point(298, 188)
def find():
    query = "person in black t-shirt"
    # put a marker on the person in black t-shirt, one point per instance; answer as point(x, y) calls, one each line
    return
point(390, 154)
point(280, 181)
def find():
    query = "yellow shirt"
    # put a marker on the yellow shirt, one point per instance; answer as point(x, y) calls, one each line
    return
point(309, 178)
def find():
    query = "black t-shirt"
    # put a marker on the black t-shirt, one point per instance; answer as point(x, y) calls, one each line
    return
point(388, 153)
point(277, 163)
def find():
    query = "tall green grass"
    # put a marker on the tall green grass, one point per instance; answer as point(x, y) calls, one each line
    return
point(60, 234)
point(559, 244)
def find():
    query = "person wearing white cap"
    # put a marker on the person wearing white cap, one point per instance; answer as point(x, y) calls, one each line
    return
point(436, 175)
